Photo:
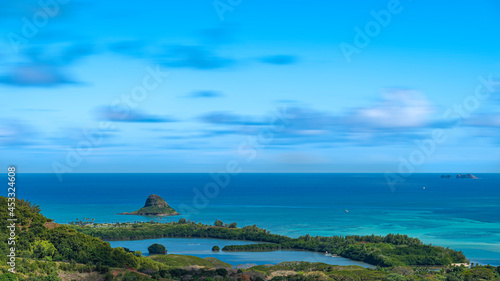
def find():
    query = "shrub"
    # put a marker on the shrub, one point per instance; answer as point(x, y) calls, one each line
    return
point(222, 272)
point(157, 249)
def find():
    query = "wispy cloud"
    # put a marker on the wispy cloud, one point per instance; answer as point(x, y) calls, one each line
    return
point(125, 114)
point(228, 118)
point(69, 136)
point(15, 133)
point(205, 94)
point(219, 35)
point(399, 116)
point(45, 65)
point(204, 54)
point(75, 52)
point(484, 120)
point(279, 59)
point(197, 57)
point(399, 108)
point(35, 75)
point(58, 54)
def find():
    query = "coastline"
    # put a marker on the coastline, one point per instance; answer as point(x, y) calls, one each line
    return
point(461, 221)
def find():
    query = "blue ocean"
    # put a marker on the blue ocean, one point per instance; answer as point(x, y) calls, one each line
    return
point(462, 214)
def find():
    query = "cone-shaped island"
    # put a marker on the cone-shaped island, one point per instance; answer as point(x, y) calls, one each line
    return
point(155, 206)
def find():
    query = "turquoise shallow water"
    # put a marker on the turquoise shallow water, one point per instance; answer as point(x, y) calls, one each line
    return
point(459, 213)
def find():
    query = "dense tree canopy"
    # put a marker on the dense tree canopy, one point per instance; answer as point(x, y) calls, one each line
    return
point(157, 249)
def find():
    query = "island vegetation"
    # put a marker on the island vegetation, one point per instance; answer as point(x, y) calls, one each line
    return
point(46, 251)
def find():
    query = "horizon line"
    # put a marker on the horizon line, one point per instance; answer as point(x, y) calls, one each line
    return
point(17, 172)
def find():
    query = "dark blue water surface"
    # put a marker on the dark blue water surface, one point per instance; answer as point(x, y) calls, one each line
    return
point(463, 214)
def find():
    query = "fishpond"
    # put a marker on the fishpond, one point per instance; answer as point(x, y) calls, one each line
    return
point(202, 248)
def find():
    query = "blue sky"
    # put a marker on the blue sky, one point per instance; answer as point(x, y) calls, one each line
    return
point(218, 72)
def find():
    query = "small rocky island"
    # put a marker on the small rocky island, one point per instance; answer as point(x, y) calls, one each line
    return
point(460, 176)
point(466, 176)
point(155, 206)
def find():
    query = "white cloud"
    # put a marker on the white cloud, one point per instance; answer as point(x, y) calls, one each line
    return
point(397, 109)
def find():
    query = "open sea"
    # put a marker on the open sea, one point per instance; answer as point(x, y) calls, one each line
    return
point(462, 214)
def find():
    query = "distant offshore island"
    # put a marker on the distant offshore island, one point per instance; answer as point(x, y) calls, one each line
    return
point(154, 206)
point(460, 176)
